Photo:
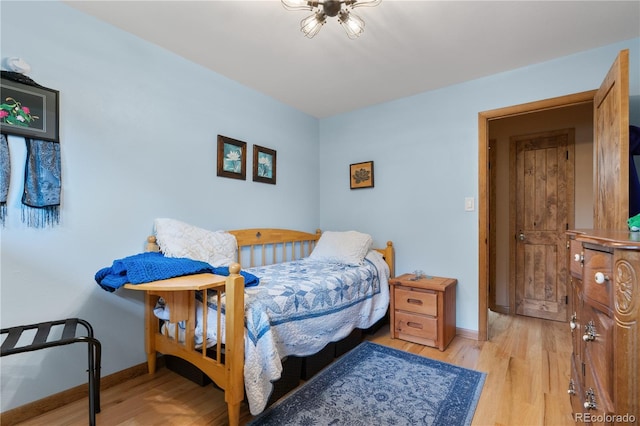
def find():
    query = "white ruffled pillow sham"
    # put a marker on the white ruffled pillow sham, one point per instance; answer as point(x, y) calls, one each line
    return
point(346, 247)
point(180, 239)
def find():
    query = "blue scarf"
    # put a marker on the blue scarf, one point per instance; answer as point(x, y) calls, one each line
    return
point(5, 173)
point(41, 196)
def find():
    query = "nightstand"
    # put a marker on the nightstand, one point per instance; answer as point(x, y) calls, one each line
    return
point(423, 310)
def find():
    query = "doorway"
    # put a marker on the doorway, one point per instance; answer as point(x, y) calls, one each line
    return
point(610, 147)
point(489, 121)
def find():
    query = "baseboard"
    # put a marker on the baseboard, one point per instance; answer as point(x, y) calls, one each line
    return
point(467, 334)
point(41, 406)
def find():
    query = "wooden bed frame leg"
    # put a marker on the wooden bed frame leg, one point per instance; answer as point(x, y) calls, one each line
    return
point(234, 413)
point(151, 328)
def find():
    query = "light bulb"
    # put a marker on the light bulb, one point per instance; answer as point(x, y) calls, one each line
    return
point(312, 24)
point(360, 3)
point(299, 4)
point(352, 24)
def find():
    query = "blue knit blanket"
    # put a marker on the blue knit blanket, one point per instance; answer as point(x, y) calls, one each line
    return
point(151, 266)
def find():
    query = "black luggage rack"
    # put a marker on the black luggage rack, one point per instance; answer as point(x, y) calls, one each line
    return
point(40, 341)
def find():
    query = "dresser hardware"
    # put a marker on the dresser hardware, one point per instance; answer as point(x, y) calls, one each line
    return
point(414, 324)
point(601, 278)
point(572, 387)
point(589, 332)
point(572, 322)
point(415, 301)
point(590, 397)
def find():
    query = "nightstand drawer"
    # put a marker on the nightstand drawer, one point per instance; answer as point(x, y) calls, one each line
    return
point(420, 326)
point(416, 300)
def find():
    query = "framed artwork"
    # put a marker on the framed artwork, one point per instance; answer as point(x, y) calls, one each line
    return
point(264, 165)
point(361, 175)
point(232, 158)
point(29, 111)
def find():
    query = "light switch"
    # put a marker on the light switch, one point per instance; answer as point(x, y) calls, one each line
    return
point(469, 204)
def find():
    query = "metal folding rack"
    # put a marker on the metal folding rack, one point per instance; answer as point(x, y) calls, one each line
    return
point(41, 341)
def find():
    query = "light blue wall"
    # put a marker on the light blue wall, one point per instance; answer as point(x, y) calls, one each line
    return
point(138, 130)
point(425, 153)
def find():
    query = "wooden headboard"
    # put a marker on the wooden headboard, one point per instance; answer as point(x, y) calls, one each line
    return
point(265, 246)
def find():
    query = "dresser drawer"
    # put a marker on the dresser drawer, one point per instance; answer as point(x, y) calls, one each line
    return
point(421, 326)
point(597, 279)
point(416, 300)
point(575, 259)
point(598, 352)
point(576, 393)
point(597, 402)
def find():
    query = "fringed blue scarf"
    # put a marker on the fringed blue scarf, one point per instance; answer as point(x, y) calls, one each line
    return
point(5, 173)
point(42, 184)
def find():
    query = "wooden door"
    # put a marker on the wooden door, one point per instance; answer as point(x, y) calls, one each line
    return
point(544, 184)
point(611, 148)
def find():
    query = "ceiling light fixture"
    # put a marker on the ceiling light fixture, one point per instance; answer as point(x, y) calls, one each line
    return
point(311, 25)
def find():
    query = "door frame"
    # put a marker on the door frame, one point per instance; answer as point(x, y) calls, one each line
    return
point(483, 187)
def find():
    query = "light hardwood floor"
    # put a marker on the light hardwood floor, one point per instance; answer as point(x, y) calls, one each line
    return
point(527, 362)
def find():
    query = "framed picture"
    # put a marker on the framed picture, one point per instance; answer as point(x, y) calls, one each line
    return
point(361, 175)
point(264, 165)
point(28, 111)
point(232, 158)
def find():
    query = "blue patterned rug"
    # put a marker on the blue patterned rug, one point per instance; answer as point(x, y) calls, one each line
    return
point(378, 385)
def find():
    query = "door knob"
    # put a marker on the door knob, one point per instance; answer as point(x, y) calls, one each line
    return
point(521, 236)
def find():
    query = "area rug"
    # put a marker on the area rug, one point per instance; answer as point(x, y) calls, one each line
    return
point(378, 385)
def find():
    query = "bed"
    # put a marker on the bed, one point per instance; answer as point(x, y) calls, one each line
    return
point(261, 325)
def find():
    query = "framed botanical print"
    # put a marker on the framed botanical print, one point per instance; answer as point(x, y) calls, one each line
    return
point(232, 158)
point(361, 175)
point(264, 165)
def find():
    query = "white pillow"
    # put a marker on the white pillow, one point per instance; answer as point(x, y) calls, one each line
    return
point(348, 247)
point(179, 239)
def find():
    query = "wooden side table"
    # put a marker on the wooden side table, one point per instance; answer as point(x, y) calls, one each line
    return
point(423, 310)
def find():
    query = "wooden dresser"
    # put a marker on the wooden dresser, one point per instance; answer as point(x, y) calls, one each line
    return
point(604, 316)
point(423, 310)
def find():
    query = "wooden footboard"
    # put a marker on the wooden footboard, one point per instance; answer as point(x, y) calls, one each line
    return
point(180, 295)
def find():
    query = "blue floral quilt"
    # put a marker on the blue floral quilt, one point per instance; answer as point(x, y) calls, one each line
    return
point(297, 309)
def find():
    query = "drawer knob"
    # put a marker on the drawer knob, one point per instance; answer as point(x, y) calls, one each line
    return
point(601, 278)
point(578, 257)
point(573, 323)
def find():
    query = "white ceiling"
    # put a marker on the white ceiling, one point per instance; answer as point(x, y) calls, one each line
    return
point(408, 47)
